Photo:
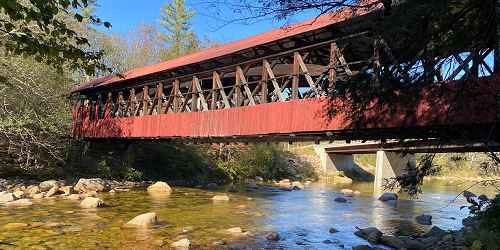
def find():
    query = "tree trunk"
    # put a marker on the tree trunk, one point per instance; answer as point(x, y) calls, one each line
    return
point(497, 45)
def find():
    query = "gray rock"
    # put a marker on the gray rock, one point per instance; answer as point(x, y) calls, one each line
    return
point(89, 185)
point(297, 185)
point(183, 244)
point(370, 234)
point(211, 186)
point(218, 243)
point(412, 244)
point(392, 241)
point(333, 230)
point(46, 185)
point(91, 202)
point(388, 197)
point(143, 221)
point(424, 219)
point(273, 236)
point(364, 247)
point(340, 200)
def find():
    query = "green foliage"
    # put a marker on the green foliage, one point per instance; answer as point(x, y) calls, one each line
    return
point(42, 31)
point(486, 233)
point(267, 161)
point(179, 36)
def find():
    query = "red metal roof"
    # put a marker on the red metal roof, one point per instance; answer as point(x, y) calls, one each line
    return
point(226, 49)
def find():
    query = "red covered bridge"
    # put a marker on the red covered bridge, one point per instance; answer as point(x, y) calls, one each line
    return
point(287, 84)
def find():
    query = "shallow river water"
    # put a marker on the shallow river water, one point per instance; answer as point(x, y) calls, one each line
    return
point(302, 218)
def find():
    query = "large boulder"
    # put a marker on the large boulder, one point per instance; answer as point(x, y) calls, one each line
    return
point(6, 197)
point(47, 185)
point(388, 197)
point(160, 187)
point(143, 221)
point(18, 194)
point(91, 202)
point(32, 190)
point(392, 241)
point(370, 234)
point(183, 244)
point(340, 200)
point(52, 191)
point(66, 190)
point(89, 185)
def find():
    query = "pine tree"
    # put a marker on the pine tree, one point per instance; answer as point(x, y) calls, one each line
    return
point(179, 37)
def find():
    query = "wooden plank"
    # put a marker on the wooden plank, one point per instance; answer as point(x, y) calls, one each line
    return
point(170, 101)
point(145, 100)
point(159, 97)
point(194, 96)
point(295, 76)
point(331, 68)
point(245, 86)
point(214, 93)
point(263, 88)
point(276, 86)
point(199, 90)
point(216, 79)
point(176, 91)
point(237, 90)
point(309, 79)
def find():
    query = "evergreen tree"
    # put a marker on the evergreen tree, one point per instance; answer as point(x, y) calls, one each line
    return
point(179, 36)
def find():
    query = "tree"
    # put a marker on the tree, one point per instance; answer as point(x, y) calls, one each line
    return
point(179, 37)
point(40, 29)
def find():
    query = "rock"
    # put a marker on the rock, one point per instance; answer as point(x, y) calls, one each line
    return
point(15, 226)
point(370, 234)
point(362, 247)
point(160, 187)
point(20, 202)
point(234, 230)
point(6, 197)
point(219, 243)
point(39, 195)
point(424, 219)
point(52, 191)
point(357, 193)
point(181, 244)
point(143, 221)
point(18, 194)
point(90, 194)
point(252, 184)
point(273, 236)
point(66, 190)
point(47, 185)
point(435, 232)
point(88, 185)
point(342, 180)
point(259, 179)
point(297, 185)
point(333, 230)
point(340, 200)
point(392, 241)
point(412, 243)
point(388, 197)
point(91, 202)
point(74, 197)
point(32, 190)
point(220, 198)
point(211, 186)
point(347, 192)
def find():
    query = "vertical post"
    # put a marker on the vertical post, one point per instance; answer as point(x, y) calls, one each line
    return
point(213, 102)
point(194, 95)
point(159, 96)
point(263, 88)
point(331, 70)
point(376, 63)
point(475, 63)
point(295, 78)
point(108, 108)
point(176, 86)
point(237, 89)
point(98, 106)
point(145, 97)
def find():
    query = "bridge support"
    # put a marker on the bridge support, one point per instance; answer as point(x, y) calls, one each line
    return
point(334, 162)
point(390, 165)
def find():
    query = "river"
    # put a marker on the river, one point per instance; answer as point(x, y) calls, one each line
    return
point(302, 218)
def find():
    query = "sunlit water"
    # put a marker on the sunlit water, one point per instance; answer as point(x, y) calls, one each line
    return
point(302, 218)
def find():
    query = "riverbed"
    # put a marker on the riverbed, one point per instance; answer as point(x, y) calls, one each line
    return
point(302, 218)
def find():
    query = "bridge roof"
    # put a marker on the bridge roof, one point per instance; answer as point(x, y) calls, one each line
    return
point(226, 49)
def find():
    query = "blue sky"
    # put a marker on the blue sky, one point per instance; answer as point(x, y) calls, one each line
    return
point(126, 14)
